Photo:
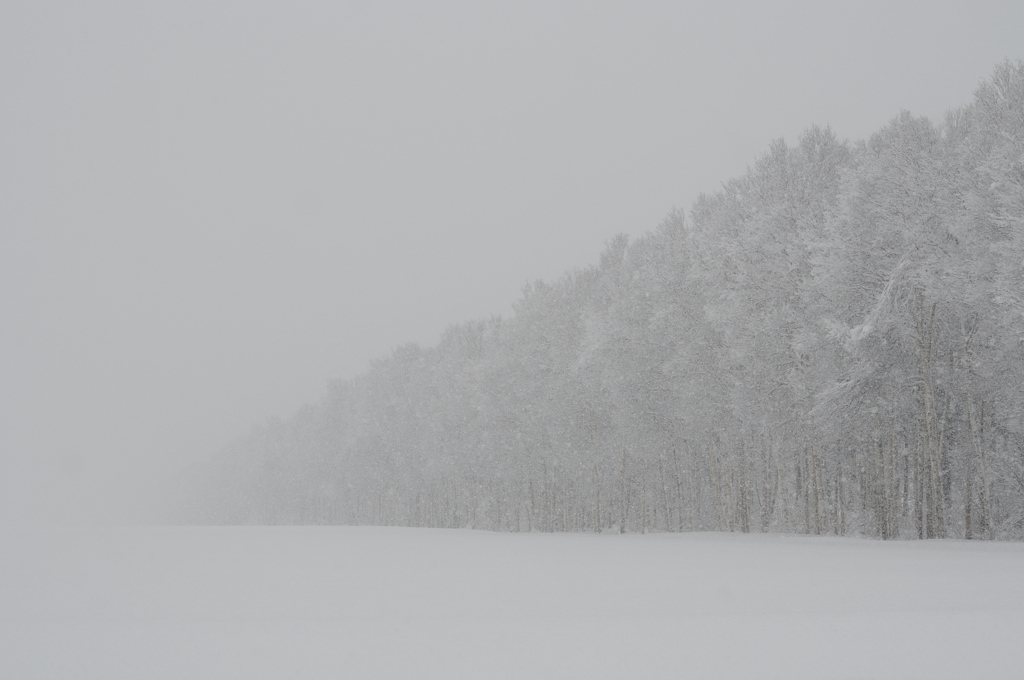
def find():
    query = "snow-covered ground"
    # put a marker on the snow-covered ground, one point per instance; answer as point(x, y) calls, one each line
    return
point(338, 602)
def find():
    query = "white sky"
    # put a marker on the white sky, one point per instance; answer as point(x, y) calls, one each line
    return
point(210, 209)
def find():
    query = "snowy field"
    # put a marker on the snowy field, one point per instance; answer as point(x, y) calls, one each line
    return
point(305, 602)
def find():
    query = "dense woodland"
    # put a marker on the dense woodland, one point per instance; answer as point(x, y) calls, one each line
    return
point(832, 343)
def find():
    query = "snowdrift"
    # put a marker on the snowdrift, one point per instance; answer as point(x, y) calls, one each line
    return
point(344, 602)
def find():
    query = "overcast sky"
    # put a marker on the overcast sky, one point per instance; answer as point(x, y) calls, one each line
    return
point(210, 209)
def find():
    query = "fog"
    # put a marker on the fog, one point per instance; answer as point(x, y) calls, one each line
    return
point(208, 210)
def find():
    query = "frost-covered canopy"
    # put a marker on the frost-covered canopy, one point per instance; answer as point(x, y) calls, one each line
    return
point(833, 343)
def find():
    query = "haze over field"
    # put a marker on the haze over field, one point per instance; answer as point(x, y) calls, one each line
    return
point(639, 275)
point(208, 210)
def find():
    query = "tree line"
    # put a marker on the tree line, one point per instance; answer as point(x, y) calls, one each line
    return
point(832, 343)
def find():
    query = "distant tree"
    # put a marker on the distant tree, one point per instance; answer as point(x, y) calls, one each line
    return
point(831, 343)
